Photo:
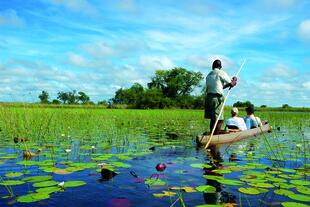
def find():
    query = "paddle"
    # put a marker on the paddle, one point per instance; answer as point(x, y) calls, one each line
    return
point(221, 111)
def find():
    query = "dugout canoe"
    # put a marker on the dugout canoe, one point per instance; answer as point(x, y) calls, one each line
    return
point(233, 135)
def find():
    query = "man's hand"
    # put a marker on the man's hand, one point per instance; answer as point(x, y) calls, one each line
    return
point(234, 81)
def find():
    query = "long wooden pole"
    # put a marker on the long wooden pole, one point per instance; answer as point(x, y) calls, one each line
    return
point(222, 109)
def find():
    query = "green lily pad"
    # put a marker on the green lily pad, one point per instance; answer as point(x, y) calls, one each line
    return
point(209, 205)
point(12, 182)
point(45, 183)
point(299, 197)
point(199, 165)
point(154, 182)
point(76, 183)
point(213, 177)
point(287, 170)
point(13, 174)
point(48, 190)
point(222, 171)
point(300, 182)
point(284, 185)
point(206, 188)
point(230, 182)
point(33, 197)
point(283, 192)
point(37, 178)
point(303, 189)
point(251, 191)
point(262, 185)
point(293, 204)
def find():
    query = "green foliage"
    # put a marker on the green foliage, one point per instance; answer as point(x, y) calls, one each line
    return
point(43, 97)
point(242, 104)
point(167, 89)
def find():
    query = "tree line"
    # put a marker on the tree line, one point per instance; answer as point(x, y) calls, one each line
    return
point(70, 97)
point(167, 89)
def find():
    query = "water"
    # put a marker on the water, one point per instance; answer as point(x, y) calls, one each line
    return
point(178, 153)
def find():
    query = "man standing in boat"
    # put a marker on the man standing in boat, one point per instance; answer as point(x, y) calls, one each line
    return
point(216, 81)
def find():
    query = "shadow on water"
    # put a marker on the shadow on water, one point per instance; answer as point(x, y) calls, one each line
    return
point(220, 196)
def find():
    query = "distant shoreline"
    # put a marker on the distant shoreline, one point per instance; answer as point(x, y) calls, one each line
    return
point(124, 106)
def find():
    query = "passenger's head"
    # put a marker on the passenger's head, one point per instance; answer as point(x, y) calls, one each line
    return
point(217, 64)
point(250, 110)
point(234, 111)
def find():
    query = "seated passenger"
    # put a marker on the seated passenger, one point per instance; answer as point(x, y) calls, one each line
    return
point(235, 122)
point(250, 120)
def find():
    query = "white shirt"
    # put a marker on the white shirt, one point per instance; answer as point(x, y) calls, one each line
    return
point(216, 80)
point(236, 121)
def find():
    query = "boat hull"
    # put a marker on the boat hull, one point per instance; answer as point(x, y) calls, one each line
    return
point(233, 136)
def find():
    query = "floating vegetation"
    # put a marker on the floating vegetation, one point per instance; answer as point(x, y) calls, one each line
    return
point(77, 152)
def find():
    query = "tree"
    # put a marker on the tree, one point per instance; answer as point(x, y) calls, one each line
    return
point(72, 97)
point(63, 97)
point(285, 106)
point(83, 98)
point(242, 104)
point(55, 101)
point(263, 106)
point(43, 97)
point(175, 82)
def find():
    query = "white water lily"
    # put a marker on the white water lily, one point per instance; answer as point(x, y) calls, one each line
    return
point(298, 145)
point(67, 150)
point(93, 147)
point(101, 164)
point(62, 135)
point(61, 184)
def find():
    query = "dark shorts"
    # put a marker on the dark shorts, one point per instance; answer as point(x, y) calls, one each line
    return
point(213, 105)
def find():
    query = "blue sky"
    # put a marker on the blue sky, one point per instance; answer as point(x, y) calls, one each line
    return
point(98, 46)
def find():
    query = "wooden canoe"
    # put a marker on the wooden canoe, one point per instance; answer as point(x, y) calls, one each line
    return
point(233, 136)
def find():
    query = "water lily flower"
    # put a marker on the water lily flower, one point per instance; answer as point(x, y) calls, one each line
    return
point(67, 150)
point(93, 147)
point(101, 164)
point(62, 135)
point(298, 145)
point(61, 184)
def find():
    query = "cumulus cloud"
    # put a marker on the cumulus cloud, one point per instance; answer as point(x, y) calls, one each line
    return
point(306, 85)
point(156, 62)
point(304, 30)
point(205, 62)
point(82, 6)
point(277, 4)
point(10, 18)
point(83, 62)
point(98, 50)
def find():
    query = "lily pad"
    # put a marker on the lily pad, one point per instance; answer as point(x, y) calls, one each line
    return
point(154, 182)
point(262, 185)
point(69, 184)
point(206, 188)
point(251, 191)
point(48, 190)
point(186, 189)
point(12, 182)
point(300, 182)
point(13, 174)
point(293, 204)
point(200, 165)
point(33, 197)
point(283, 192)
point(213, 177)
point(120, 164)
point(299, 197)
point(230, 182)
point(303, 189)
point(222, 171)
point(165, 193)
point(37, 178)
point(45, 183)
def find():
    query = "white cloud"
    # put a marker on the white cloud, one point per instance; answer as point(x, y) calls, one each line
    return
point(10, 17)
point(156, 62)
point(306, 85)
point(98, 50)
point(281, 71)
point(82, 6)
point(304, 30)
